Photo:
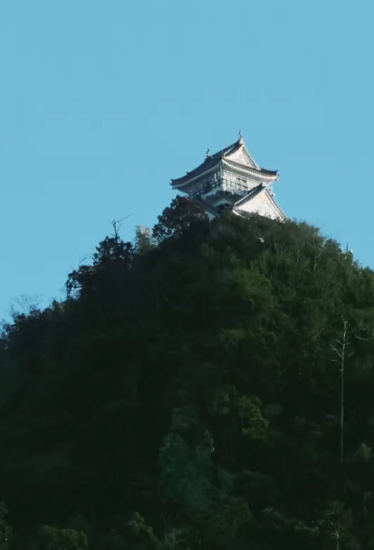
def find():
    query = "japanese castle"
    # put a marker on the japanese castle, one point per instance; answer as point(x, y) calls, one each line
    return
point(230, 179)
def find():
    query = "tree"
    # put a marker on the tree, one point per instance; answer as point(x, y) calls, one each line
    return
point(141, 533)
point(51, 538)
point(341, 353)
point(144, 242)
point(192, 382)
point(111, 261)
point(5, 530)
point(176, 219)
point(336, 527)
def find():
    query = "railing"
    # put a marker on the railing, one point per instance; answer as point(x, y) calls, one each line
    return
point(225, 183)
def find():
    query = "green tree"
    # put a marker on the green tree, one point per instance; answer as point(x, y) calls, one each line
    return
point(5, 529)
point(51, 538)
point(180, 216)
point(194, 381)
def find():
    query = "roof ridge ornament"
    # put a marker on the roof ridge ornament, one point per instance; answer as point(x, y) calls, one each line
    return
point(207, 155)
point(241, 140)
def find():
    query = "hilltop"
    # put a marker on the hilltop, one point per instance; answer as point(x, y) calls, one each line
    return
point(209, 385)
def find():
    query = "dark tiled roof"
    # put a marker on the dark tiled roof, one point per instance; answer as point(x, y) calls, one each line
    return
point(227, 150)
point(260, 171)
point(210, 162)
point(213, 160)
point(252, 193)
point(209, 208)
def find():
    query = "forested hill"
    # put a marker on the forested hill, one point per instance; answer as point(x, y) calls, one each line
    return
point(209, 386)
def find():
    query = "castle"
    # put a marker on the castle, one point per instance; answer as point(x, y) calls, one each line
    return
point(230, 179)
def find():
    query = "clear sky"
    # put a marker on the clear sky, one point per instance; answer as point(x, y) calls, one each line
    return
point(102, 102)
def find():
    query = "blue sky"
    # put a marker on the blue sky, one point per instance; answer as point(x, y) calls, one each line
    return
point(101, 103)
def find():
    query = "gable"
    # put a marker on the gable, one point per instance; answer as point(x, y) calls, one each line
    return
point(243, 157)
point(261, 204)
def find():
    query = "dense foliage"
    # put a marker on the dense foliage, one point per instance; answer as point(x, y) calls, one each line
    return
point(208, 386)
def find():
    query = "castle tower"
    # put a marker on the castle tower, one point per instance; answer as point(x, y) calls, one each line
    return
point(230, 179)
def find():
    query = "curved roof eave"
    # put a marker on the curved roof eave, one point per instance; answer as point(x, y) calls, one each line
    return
point(267, 174)
point(194, 174)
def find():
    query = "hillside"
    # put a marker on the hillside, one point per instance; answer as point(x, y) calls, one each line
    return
point(208, 387)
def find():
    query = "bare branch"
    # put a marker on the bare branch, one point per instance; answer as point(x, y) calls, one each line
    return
point(341, 353)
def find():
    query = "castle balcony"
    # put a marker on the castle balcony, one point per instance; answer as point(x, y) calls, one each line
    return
point(223, 185)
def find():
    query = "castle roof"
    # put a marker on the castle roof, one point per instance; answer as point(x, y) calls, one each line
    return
point(235, 156)
point(252, 196)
